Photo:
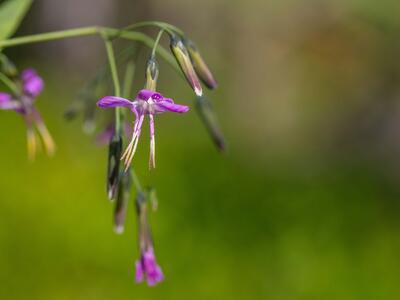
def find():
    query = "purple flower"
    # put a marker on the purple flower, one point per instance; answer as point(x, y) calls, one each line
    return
point(32, 83)
point(146, 103)
point(7, 102)
point(32, 86)
point(146, 266)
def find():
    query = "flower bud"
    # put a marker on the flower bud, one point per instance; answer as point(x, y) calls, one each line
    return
point(207, 115)
point(151, 74)
point(200, 66)
point(182, 57)
point(123, 194)
point(114, 154)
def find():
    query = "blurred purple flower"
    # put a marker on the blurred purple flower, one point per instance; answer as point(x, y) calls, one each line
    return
point(105, 136)
point(146, 266)
point(32, 86)
point(146, 103)
point(32, 83)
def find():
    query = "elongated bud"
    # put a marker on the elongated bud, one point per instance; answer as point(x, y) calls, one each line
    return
point(7, 66)
point(151, 74)
point(200, 66)
point(124, 188)
point(207, 115)
point(114, 154)
point(182, 57)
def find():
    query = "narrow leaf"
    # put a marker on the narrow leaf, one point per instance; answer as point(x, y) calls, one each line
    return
point(11, 14)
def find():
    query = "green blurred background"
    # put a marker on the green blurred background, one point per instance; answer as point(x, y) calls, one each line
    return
point(304, 205)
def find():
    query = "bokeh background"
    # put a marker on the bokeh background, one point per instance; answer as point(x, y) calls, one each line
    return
point(304, 204)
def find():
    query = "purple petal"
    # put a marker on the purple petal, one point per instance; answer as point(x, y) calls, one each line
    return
point(146, 94)
point(7, 103)
point(5, 98)
point(152, 270)
point(111, 101)
point(104, 137)
point(155, 277)
point(32, 83)
point(170, 106)
point(139, 274)
point(152, 160)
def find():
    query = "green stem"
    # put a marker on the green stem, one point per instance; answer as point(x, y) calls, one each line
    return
point(136, 181)
point(153, 52)
point(128, 79)
point(49, 36)
point(86, 31)
point(167, 27)
point(114, 75)
point(9, 83)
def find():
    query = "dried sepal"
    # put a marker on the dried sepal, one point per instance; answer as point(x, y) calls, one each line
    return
point(207, 115)
point(113, 175)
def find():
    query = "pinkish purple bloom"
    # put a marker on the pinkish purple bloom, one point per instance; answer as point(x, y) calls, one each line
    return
point(146, 103)
point(7, 102)
point(32, 83)
point(32, 86)
point(147, 267)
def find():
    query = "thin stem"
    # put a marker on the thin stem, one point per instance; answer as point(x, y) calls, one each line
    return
point(136, 181)
point(167, 27)
point(9, 83)
point(114, 75)
point(128, 79)
point(153, 52)
point(86, 31)
point(49, 36)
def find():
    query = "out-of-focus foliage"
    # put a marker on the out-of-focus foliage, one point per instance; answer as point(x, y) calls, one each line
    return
point(11, 14)
point(304, 205)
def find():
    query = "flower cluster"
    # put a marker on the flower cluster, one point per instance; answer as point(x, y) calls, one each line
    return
point(25, 87)
point(148, 102)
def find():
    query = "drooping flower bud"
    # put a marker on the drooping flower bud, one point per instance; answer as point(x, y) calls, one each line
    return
point(124, 188)
point(182, 56)
point(207, 115)
point(200, 66)
point(114, 154)
point(151, 74)
point(146, 267)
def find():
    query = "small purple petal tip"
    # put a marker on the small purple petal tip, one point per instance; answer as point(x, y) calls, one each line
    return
point(32, 83)
point(111, 101)
point(147, 267)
